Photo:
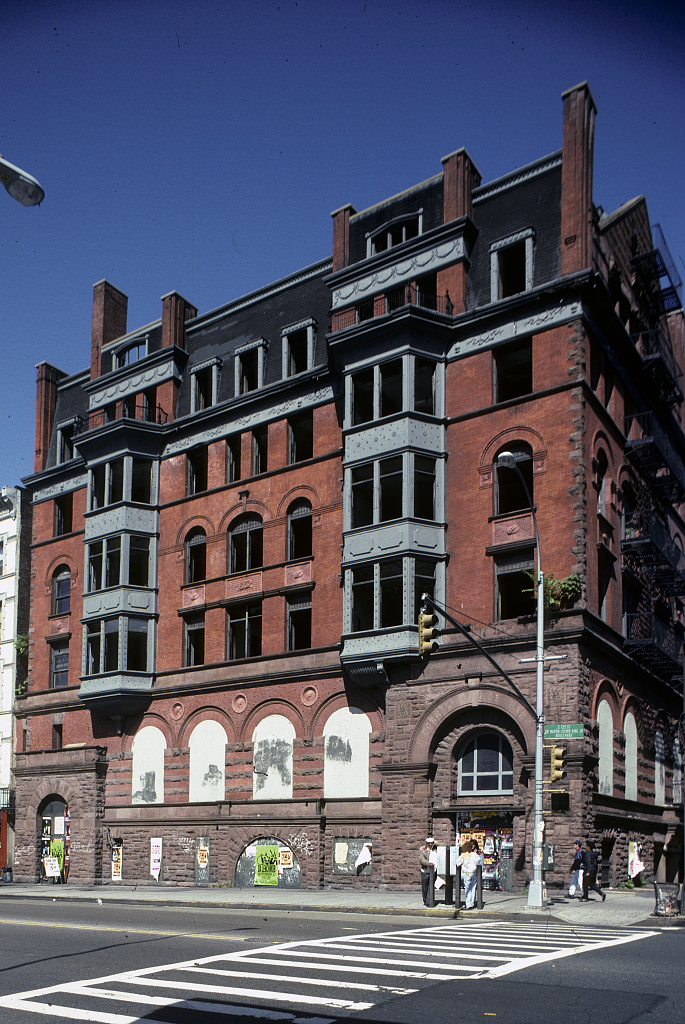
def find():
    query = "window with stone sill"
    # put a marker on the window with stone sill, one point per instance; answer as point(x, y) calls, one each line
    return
point(59, 664)
point(244, 630)
point(63, 515)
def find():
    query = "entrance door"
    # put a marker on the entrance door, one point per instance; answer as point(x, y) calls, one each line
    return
point(54, 840)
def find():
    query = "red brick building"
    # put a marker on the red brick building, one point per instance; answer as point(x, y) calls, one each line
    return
point(235, 515)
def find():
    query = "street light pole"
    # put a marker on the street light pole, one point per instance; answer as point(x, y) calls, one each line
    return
point(537, 896)
point(21, 186)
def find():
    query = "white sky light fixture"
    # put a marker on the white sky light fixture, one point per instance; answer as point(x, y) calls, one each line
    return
point(20, 185)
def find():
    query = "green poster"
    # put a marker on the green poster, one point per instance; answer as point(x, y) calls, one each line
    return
point(57, 850)
point(266, 865)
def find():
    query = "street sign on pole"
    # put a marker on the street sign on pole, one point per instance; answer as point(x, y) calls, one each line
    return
point(564, 731)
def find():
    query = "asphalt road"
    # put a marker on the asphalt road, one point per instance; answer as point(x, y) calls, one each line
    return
point(118, 964)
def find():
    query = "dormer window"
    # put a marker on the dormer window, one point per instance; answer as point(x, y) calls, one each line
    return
point(204, 380)
point(511, 265)
point(249, 367)
point(394, 232)
point(131, 353)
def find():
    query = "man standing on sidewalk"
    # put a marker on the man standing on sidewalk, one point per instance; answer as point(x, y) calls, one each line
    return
point(575, 887)
point(427, 860)
point(590, 865)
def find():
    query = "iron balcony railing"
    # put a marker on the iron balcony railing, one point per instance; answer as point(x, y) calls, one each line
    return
point(647, 539)
point(653, 451)
point(652, 642)
point(141, 411)
point(389, 302)
point(657, 355)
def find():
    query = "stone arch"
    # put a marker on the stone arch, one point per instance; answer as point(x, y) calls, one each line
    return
point(340, 700)
point(606, 689)
point(300, 491)
point(272, 707)
point(258, 508)
point(209, 712)
point(504, 707)
point(512, 435)
point(191, 523)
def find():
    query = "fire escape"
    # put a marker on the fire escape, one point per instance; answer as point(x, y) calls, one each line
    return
point(655, 447)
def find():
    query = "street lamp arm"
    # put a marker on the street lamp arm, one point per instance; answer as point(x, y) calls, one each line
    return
point(21, 186)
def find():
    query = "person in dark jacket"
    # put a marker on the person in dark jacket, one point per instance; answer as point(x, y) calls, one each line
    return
point(590, 866)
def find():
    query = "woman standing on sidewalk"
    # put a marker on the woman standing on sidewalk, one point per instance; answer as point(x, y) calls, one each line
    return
point(468, 862)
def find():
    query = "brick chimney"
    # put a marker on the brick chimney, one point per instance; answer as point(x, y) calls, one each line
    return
point(175, 311)
point(576, 179)
point(460, 177)
point(341, 236)
point(110, 307)
point(47, 379)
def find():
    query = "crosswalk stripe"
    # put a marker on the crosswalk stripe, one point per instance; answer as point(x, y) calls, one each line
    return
point(250, 993)
point(327, 982)
point(342, 968)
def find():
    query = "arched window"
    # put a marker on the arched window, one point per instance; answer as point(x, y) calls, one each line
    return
point(147, 774)
point(207, 762)
point(659, 768)
point(346, 754)
point(273, 759)
point(245, 544)
point(605, 722)
point(196, 555)
point(630, 731)
point(486, 765)
point(61, 590)
point(510, 494)
point(299, 529)
point(601, 482)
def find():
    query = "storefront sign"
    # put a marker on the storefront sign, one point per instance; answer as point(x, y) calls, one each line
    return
point(51, 867)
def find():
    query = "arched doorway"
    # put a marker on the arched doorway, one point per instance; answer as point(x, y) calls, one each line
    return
point(267, 861)
point(55, 839)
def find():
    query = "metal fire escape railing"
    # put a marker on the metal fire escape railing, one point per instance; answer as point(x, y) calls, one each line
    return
point(648, 546)
point(652, 643)
point(656, 456)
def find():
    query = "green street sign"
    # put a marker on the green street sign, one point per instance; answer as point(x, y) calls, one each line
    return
point(565, 731)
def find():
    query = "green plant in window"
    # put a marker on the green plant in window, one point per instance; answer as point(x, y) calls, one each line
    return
point(559, 594)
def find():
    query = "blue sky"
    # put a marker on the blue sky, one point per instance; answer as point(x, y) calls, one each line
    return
point(201, 146)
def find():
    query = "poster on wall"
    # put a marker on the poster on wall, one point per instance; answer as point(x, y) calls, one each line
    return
point(266, 865)
point(155, 858)
point(352, 856)
point(202, 860)
point(117, 857)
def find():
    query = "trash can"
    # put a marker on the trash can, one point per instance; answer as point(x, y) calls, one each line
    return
point(666, 897)
point(7, 874)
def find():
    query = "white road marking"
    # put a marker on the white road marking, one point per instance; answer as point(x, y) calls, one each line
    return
point(445, 952)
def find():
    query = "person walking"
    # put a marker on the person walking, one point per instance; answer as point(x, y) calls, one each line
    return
point(468, 862)
point(590, 865)
point(427, 862)
point(576, 885)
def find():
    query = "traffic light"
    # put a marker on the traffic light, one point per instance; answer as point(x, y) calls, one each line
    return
point(557, 766)
point(427, 632)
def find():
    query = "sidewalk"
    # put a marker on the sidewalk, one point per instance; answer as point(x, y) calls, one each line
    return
point(622, 908)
